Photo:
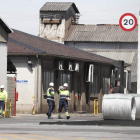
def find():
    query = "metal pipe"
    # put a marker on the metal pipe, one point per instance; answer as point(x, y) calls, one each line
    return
point(138, 68)
point(37, 82)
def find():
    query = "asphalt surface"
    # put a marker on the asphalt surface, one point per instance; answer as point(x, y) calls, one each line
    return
point(38, 127)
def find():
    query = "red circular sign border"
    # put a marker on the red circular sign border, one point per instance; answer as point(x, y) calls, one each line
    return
point(127, 14)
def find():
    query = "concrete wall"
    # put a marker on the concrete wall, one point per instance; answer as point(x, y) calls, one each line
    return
point(114, 45)
point(11, 91)
point(56, 32)
point(3, 64)
point(25, 90)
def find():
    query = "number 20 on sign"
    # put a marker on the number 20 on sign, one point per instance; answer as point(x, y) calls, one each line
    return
point(128, 22)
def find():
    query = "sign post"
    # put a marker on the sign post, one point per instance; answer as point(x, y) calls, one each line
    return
point(138, 69)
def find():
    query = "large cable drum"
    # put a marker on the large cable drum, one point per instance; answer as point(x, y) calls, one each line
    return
point(137, 100)
point(119, 106)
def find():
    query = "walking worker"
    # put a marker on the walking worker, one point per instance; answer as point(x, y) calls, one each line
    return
point(63, 102)
point(50, 99)
point(3, 98)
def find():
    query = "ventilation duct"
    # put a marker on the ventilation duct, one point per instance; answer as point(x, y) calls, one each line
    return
point(89, 72)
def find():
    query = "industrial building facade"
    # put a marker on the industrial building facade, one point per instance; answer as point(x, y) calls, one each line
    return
point(4, 31)
point(39, 61)
point(105, 40)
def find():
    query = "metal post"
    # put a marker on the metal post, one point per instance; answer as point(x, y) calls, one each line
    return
point(15, 96)
point(10, 107)
point(138, 69)
point(33, 111)
point(96, 106)
point(5, 108)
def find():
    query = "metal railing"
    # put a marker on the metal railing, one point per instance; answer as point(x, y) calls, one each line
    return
point(8, 105)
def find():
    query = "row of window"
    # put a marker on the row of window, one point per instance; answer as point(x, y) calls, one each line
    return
point(65, 78)
point(49, 77)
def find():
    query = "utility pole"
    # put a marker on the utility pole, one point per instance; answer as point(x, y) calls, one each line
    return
point(138, 69)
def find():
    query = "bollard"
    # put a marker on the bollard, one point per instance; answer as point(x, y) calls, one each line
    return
point(33, 110)
point(96, 106)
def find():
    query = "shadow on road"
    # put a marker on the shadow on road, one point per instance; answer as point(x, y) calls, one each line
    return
point(99, 123)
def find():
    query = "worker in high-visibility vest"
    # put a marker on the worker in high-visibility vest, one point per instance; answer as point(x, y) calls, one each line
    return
point(63, 102)
point(3, 98)
point(50, 99)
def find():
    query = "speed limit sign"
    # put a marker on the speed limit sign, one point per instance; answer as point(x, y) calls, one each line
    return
point(128, 22)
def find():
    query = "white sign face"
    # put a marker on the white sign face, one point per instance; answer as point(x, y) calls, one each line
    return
point(128, 22)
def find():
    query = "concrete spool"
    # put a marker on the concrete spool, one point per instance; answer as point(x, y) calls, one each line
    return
point(119, 106)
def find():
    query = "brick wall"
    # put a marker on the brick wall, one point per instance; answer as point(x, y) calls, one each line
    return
point(11, 91)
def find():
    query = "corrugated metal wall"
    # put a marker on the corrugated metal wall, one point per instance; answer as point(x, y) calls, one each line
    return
point(3, 35)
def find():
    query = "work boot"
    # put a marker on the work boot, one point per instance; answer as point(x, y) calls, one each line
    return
point(68, 117)
point(50, 117)
point(59, 117)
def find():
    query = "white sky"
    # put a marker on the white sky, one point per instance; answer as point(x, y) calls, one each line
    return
point(23, 15)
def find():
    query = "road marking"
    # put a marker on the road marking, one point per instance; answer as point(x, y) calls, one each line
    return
point(16, 136)
point(44, 137)
point(105, 139)
point(3, 139)
point(74, 138)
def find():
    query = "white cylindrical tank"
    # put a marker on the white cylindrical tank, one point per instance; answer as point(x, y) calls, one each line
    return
point(137, 100)
point(119, 106)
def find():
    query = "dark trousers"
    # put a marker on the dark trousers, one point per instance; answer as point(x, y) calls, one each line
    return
point(2, 104)
point(51, 107)
point(63, 103)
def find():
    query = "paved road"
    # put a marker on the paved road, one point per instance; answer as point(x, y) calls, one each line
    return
point(77, 128)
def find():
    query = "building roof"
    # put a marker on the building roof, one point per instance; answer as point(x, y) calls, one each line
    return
point(128, 56)
point(21, 43)
point(100, 33)
point(5, 26)
point(58, 6)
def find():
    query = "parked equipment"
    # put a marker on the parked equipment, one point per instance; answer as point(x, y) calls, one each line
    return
point(120, 79)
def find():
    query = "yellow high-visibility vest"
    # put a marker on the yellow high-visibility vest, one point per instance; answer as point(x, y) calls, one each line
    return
point(3, 95)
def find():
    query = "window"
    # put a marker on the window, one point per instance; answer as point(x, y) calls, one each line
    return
point(94, 85)
point(106, 85)
point(48, 77)
point(65, 78)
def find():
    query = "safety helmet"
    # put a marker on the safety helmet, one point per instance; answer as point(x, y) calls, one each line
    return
point(65, 85)
point(51, 84)
point(2, 86)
